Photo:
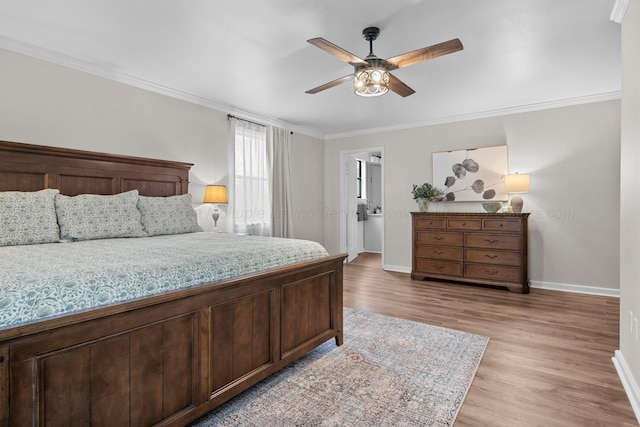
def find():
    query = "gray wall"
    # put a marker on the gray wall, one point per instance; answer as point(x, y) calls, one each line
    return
point(628, 358)
point(573, 157)
point(307, 155)
point(47, 104)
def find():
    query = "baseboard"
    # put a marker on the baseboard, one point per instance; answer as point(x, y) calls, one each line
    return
point(579, 289)
point(564, 287)
point(396, 268)
point(628, 382)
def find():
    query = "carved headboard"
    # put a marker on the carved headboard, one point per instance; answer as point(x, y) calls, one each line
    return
point(26, 167)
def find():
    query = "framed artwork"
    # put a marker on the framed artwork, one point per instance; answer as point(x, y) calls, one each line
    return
point(471, 175)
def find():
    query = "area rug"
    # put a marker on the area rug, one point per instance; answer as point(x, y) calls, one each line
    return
point(388, 372)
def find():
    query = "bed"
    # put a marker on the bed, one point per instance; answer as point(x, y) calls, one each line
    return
point(159, 342)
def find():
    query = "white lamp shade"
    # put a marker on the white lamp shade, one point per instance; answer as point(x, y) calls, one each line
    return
point(215, 194)
point(516, 183)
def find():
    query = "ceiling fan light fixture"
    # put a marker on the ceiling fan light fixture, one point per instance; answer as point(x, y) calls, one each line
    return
point(371, 76)
point(371, 81)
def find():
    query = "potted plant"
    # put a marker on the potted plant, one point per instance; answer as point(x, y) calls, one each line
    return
point(425, 193)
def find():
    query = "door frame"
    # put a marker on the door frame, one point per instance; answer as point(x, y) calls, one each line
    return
point(345, 155)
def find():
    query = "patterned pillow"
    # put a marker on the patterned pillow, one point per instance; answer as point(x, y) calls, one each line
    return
point(168, 215)
point(28, 217)
point(92, 216)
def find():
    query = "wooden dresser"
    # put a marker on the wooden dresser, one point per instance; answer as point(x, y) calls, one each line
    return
point(481, 248)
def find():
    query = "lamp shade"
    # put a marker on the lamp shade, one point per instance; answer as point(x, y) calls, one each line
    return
point(516, 183)
point(216, 194)
point(373, 81)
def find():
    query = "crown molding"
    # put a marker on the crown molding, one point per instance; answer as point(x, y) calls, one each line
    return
point(618, 11)
point(96, 70)
point(485, 114)
point(73, 63)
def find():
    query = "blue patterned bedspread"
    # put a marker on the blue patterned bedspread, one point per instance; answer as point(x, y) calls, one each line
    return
point(43, 281)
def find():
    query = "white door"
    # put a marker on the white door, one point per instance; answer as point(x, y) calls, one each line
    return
point(351, 217)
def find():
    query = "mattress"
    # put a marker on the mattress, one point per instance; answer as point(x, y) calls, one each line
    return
point(44, 281)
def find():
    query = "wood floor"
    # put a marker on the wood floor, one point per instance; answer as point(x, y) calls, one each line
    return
point(548, 362)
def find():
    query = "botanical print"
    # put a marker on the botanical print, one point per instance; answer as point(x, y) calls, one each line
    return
point(471, 175)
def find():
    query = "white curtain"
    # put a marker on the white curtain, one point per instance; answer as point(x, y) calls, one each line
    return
point(251, 202)
point(278, 142)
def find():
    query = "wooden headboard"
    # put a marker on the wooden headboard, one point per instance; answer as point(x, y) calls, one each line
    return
point(27, 167)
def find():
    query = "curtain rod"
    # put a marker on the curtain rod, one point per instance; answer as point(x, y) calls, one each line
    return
point(231, 116)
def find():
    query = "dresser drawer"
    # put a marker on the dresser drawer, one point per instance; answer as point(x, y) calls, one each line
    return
point(440, 238)
point(471, 247)
point(492, 257)
point(430, 223)
point(504, 224)
point(493, 241)
point(450, 253)
point(449, 268)
point(493, 272)
point(464, 224)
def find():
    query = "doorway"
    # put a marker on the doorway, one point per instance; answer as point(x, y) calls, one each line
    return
point(362, 183)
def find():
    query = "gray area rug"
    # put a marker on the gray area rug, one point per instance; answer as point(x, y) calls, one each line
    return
point(388, 372)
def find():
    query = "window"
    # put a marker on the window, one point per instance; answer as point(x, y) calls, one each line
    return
point(361, 179)
point(252, 202)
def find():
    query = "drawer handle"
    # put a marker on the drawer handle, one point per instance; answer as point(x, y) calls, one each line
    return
point(491, 272)
point(491, 240)
point(438, 252)
point(491, 256)
point(438, 237)
point(438, 266)
point(501, 225)
point(464, 224)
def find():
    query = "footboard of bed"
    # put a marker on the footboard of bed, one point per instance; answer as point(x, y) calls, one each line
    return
point(169, 359)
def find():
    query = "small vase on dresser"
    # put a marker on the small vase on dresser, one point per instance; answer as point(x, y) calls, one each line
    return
point(476, 248)
point(423, 205)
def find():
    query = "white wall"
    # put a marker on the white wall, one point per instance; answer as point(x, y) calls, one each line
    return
point(573, 156)
point(628, 358)
point(47, 104)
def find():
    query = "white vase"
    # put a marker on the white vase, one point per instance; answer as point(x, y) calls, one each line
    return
point(423, 205)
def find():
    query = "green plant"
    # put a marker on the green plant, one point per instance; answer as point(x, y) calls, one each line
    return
point(426, 191)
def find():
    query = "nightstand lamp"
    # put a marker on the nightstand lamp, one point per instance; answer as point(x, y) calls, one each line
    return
point(516, 183)
point(216, 194)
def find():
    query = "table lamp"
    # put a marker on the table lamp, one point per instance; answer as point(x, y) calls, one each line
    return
point(216, 194)
point(516, 183)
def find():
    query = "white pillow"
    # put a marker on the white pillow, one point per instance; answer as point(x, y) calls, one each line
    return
point(28, 217)
point(168, 215)
point(93, 216)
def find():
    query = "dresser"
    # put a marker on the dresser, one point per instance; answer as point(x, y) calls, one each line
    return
point(479, 248)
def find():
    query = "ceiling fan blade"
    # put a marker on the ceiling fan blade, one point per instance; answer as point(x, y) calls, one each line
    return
point(336, 51)
point(424, 54)
point(329, 85)
point(398, 86)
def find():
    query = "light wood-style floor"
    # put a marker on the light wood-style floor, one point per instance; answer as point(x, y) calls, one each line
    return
point(548, 362)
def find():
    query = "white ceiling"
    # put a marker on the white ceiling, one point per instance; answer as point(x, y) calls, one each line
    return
point(251, 58)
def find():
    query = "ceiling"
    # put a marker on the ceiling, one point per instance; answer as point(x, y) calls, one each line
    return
point(251, 58)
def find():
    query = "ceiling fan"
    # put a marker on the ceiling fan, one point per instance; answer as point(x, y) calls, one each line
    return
point(371, 76)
